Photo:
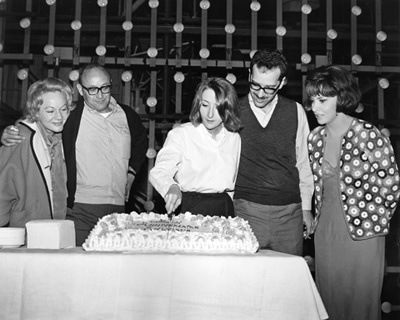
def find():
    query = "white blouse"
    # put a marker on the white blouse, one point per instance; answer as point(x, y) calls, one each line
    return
point(196, 162)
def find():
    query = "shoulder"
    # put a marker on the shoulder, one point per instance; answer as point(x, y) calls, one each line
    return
point(316, 133)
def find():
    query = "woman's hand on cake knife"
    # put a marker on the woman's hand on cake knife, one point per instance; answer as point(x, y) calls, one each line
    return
point(173, 198)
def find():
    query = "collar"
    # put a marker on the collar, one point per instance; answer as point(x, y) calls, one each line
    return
point(270, 106)
point(113, 105)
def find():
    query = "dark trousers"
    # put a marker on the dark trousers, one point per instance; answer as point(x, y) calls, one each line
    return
point(85, 216)
point(207, 204)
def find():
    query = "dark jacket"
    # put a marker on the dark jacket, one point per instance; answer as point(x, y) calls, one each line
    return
point(139, 144)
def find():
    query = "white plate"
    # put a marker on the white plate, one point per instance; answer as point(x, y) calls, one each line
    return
point(14, 246)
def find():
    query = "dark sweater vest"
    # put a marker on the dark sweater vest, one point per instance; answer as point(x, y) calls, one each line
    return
point(267, 171)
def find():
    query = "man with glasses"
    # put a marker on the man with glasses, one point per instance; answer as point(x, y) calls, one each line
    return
point(274, 186)
point(105, 144)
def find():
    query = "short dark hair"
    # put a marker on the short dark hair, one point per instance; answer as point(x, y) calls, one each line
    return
point(91, 66)
point(334, 81)
point(227, 102)
point(269, 60)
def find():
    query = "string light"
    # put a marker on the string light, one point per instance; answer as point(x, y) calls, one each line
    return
point(230, 28)
point(305, 58)
point(356, 10)
point(73, 75)
point(383, 83)
point(50, 2)
point(126, 76)
point(381, 35)
point(356, 59)
point(204, 53)
point(22, 74)
point(127, 25)
point(179, 77)
point(152, 52)
point(151, 101)
point(101, 50)
point(25, 23)
point(231, 78)
point(306, 9)
point(48, 49)
point(151, 153)
point(178, 27)
point(255, 6)
point(153, 4)
point(205, 4)
point(76, 25)
point(332, 34)
point(280, 31)
point(102, 3)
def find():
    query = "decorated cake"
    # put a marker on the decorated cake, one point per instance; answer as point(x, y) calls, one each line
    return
point(183, 232)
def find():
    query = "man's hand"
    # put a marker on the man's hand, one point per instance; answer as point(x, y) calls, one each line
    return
point(173, 198)
point(308, 221)
point(11, 136)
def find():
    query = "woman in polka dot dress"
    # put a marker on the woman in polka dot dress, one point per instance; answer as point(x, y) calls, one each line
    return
point(356, 192)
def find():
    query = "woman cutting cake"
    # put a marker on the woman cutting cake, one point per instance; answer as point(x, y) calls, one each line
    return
point(197, 166)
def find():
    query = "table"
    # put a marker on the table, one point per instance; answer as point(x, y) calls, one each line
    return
point(73, 284)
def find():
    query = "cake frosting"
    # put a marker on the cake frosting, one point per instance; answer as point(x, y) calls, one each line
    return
point(183, 232)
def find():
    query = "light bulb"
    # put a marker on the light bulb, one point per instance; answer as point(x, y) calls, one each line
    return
point(151, 153)
point(383, 83)
point(280, 31)
point(230, 28)
point(152, 52)
point(231, 78)
point(179, 77)
point(48, 49)
point(178, 27)
point(73, 75)
point(205, 4)
point(356, 59)
point(204, 53)
point(356, 10)
point(151, 101)
point(386, 132)
point(25, 23)
point(149, 205)
point(381, 35)
point(153, 4)
point(255, 6)
point(76, 25)
point(306, 9)
point(127, 25)
point(386, 307)
point(22, 74)
point(126, 76)
point(332, 34)
point(50, 2)
point(1, 47)
point(305, 58)
point(102, 3)
point(101, 50)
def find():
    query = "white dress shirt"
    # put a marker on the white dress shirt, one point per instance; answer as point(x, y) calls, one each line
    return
point(302, 162)
point(192, 159)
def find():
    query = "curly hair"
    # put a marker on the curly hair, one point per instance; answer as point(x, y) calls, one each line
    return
point(270, 60)
point(40, 87)
point(227, 103)
point(333, 81)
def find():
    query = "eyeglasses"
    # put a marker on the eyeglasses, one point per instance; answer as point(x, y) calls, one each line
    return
point(95, 90)
point(269, 91)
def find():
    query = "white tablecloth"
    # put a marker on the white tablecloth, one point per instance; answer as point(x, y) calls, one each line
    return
point(73, 284)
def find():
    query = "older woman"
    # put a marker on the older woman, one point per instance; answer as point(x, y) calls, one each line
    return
point(198, 164)
point(356, 192)
point(33, 173)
